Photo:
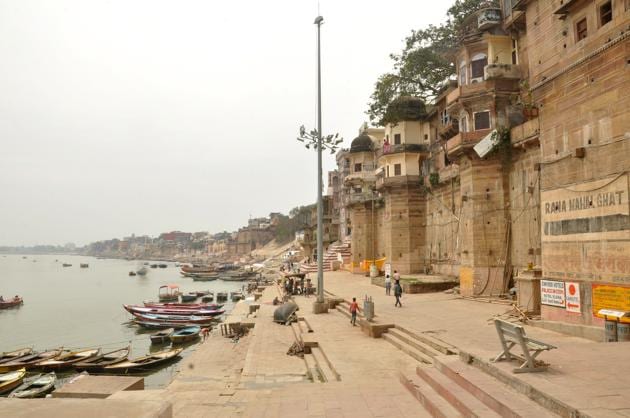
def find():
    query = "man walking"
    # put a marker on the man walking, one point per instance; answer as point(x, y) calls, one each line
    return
point(354, 307)
point(388, 284)
point(398, 293)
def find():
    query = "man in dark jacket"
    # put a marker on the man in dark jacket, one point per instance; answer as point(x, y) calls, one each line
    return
point(398, 293)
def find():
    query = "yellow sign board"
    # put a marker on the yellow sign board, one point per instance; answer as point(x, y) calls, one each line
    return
point(611, 297)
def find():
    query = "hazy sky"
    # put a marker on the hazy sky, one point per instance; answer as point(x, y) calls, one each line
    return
point(142, 116)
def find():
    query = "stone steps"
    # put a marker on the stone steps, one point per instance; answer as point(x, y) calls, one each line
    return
point(407, 348)
point(427, 340)
point(464, 402)
point(494, 394)
point(413, 342)
point(327, 372)
point(432, 402)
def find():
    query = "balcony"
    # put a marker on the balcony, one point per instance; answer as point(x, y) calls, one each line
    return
point(526, 133)
point(359, 198)
point(360, 177)
point(400, 148)
point(463, 141)
point(474, 91)
point(502, 71)
point(448, 130)
point(396, 181)
point(453, 96)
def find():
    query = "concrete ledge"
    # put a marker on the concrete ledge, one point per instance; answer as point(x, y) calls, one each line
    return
point(583, 331)
point(81, 408)
point(421, 284)
point(542, 398)
point(374, 330)
point(99, 387)
point(320, 307)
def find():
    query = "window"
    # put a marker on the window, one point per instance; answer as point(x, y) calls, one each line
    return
point(444, 117)
point(426, 137)
point(482, 120)
point(463, 122)
point(605, 13)
point(462, 74)
point(397, 169)
point(479, 62)
point(581, 30)
point(507, 8)
point(396, 139)
point(357, 168)
point(514, 51)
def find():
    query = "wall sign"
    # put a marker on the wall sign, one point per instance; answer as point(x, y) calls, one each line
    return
point(552, 293)
point(573, 301)
point(611, 297)
point(587, 211)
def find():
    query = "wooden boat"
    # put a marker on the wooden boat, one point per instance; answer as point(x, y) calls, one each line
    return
point(84, 265)
point(95, 364)
point(201, 293)
point(11, 380)
point(172, 311)
point(161, 324)
point(142, 271)
point(221, 296)
point(189, 298)
point(12, 303)
point(66, 265)
point(202, 269)
point(15, 354)
point(175, 305)
point(197, 278)
point(36, 386)
point(162, 266)
point(145, 362)
point(208, 298)
point(168, 293)
point(162, 336)
point(29, 361)
point(236, 296)
point(153, 266)
point(132, 273)
point(201, 320)
point(185, 334)
point(67, 360)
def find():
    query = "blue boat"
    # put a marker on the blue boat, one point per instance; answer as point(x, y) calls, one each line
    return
point(185, 334)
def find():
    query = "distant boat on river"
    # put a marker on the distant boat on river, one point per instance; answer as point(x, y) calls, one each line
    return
point(84, 265)
point(142, 271)
point(66, 265)
point(11, 303)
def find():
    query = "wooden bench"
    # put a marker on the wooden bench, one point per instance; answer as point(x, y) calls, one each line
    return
point(512, 335)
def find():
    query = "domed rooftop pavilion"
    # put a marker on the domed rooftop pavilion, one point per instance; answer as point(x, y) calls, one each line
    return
point(362, 143)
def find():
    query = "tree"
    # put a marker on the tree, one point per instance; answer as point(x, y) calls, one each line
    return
point(424, 65)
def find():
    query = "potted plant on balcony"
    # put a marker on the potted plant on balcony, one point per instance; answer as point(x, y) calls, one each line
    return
point(530, 110)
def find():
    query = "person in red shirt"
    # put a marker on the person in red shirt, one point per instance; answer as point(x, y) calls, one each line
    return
point(354, 307)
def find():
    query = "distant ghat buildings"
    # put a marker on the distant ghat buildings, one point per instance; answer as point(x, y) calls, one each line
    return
point(518, 172)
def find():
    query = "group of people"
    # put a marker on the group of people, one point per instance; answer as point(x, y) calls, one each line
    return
point(397, 287)
point(298, 286)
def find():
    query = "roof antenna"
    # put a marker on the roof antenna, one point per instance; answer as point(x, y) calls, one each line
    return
point(318, 13)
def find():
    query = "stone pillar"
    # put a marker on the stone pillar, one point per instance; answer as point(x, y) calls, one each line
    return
point(483, 222)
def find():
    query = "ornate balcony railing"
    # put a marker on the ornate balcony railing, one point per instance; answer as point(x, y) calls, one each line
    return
point(399, 148)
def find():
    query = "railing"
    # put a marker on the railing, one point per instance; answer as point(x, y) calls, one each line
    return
point(396, 180)
point(464, 139)
point(398, 148)
point(360, 198)
point(505, 71)
point(453, 96)
point(527, 130)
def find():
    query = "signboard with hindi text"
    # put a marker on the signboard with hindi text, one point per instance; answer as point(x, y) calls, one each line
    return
point(572, 297)
point(612, 298)
point(552, 293)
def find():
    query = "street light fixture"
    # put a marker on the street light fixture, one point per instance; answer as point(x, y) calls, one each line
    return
point(315, 140)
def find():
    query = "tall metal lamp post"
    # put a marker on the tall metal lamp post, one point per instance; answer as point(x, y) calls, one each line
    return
point(315, 140)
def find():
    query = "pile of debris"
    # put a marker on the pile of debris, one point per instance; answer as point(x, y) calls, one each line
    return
point(297, 349)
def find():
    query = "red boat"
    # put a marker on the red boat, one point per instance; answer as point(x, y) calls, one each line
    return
point(16, 301)
point(174, 319)
point(187, 306)
point(172, 311)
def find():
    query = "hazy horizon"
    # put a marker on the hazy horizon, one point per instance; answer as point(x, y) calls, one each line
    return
point(121, 117)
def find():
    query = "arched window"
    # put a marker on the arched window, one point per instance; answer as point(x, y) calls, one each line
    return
point(479, 62)
point(463, 121)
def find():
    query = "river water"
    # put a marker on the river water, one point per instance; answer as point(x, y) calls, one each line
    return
point(77, 308)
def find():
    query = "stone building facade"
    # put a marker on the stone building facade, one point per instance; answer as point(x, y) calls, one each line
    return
point(518, 171)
